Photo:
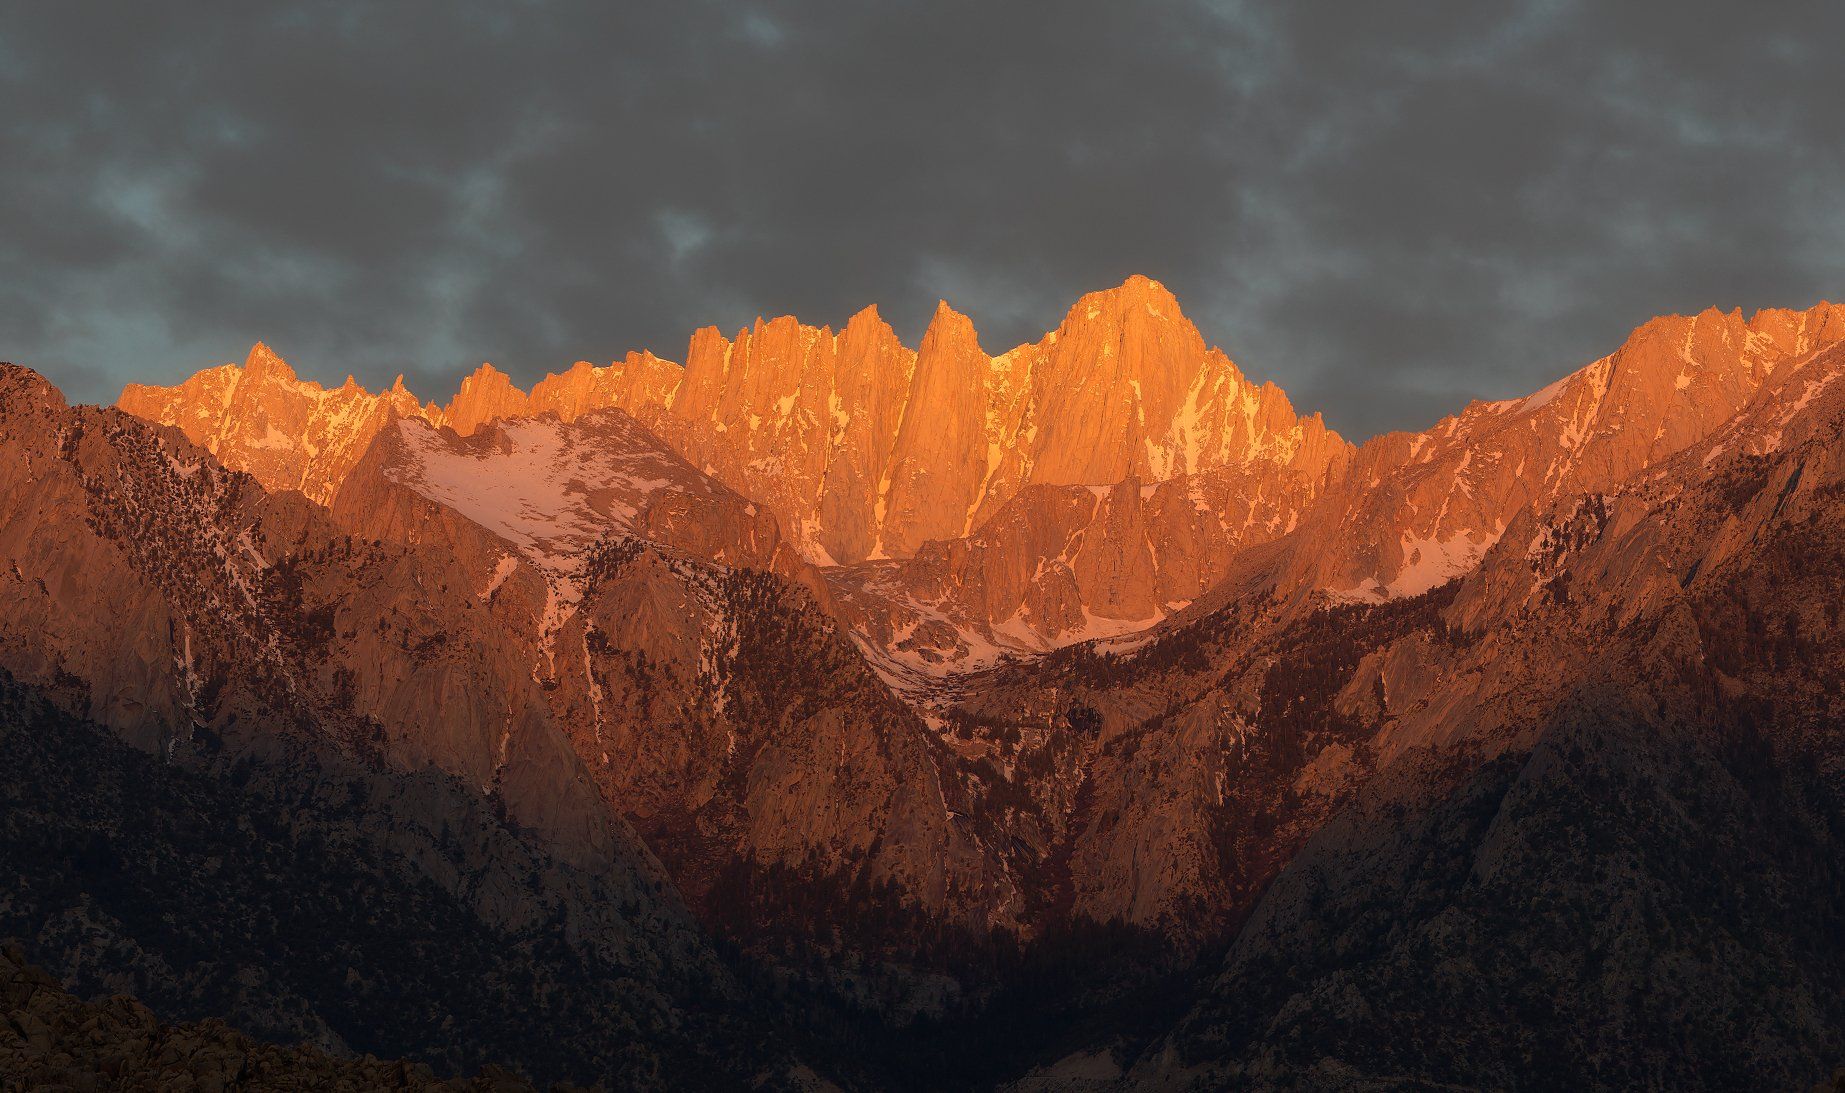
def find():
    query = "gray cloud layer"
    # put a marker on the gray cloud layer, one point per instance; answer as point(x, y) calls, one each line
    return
point(1386, 208)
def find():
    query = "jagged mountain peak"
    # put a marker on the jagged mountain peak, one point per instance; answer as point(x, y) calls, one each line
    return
point(1419, 509)
point(867, 316)
point(865, 448)
point(264, 363)
point(1137, 325)
point(947, 324)
point(1138, 294)
point(862, 446)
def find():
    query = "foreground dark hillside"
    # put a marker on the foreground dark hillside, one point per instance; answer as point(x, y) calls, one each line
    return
point(50, 1039)
point(280, 896)
point(1628, 905)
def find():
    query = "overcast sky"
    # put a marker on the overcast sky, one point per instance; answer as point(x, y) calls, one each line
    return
point(1386, 208)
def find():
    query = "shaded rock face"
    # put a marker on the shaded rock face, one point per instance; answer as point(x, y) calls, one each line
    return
point(1568, 915)
point(303, 897)
point(55, 1041)
point(713, 703)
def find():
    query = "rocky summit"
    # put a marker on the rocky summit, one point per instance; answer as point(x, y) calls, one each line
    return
point(827, 713)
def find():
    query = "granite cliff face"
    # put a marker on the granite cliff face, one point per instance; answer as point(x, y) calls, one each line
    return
point(1059, 565)
point(861, 447)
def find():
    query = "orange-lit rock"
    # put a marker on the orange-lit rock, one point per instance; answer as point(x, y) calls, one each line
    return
point(291, 434)
point(863, 448)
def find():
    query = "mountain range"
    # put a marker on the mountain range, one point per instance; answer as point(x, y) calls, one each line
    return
point(824, 712)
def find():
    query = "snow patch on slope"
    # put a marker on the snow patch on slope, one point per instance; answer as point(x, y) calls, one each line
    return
point(534, 484)
point(1427, 564)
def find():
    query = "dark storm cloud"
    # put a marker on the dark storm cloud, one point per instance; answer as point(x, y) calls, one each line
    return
point(1385, 208)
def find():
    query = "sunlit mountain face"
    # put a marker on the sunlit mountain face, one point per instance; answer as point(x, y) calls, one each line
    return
point(1083, 715)
point(1048, 549)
